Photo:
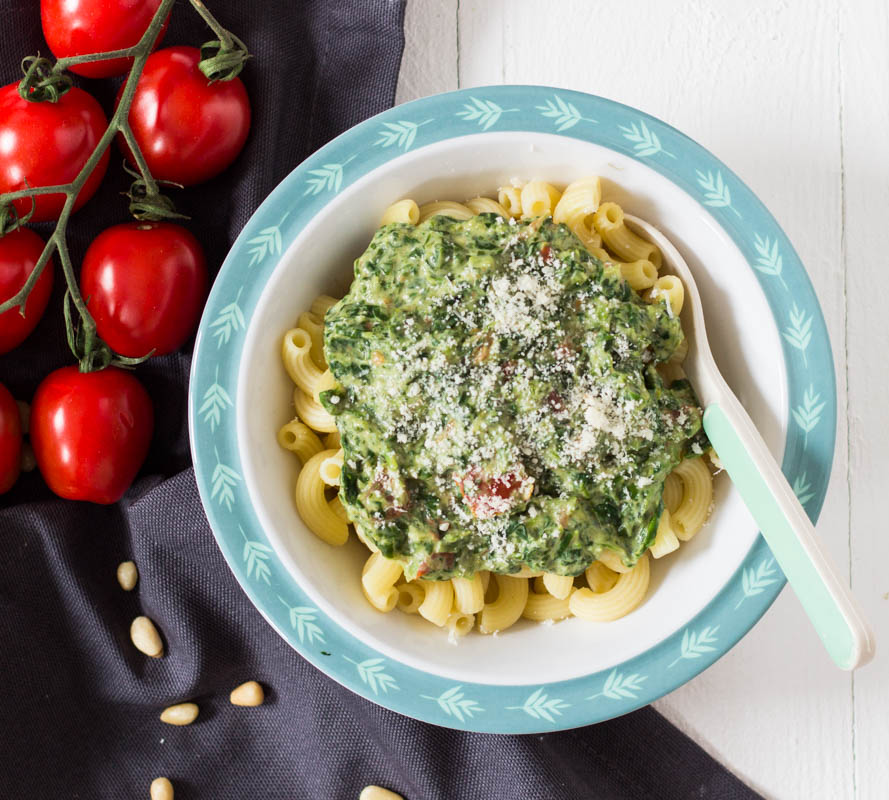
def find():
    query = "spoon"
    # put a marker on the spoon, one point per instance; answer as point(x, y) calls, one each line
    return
point(781, 518)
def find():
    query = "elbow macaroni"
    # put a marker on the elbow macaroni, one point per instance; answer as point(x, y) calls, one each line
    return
point(331, 467)
point(404, 211)
point(312, 504)
point(620, 240)
point(544, 606)
point(437, 603)
point(459, 604)
point(320, 305)
point(510, 198)
point(299, 439)
point(313, 324)
point(669, 289)
point(485, 205)
point(665, 541)
point(576, 207)
point(378, 581)
point(507, 608)
point(616, 602)
point(310, 411)
point(469, 594)
point(558, 585)
point(447, 208)
point(697, 495)
point(410, 597)
point(538, 199)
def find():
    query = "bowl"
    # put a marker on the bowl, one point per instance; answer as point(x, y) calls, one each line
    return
point(763, 320)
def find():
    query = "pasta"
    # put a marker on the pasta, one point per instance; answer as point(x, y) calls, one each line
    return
point(665, 541)
point(340, 510)
point(485, 205)
point(640, 274)
point(331, 467)
point(410, 597)
point(576, 207)
point(626, 594)
point(539, 198)
point(469, 594)
point(510, 198)
point(312, 504)
point(321, 303)
point(599, 578)
point(612, 560)
point(404, 211)
point(303, 371)
point(559, 586)
point(697, 495)
point(672, 492)
point(378, 580)
point(300, 439)
point(507, 608)
point(312, 412)
point(459, 604)
point(609, 223)
point(668, 288)
point(459, 624)
point(446, 207)
point(437, 603)
point(314, 325)
point(543, 606)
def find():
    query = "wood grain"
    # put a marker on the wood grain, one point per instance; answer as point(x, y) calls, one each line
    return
point(795, 98)
point(864, 35)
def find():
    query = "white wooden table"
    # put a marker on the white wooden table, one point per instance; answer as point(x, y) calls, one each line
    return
point(794, 96)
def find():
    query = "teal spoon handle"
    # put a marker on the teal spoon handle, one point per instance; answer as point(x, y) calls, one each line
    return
point(789, 533)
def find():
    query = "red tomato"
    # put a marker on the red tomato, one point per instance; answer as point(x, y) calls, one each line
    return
point(145, 284)
point(488, 497)
point(47, 144)
point(80, 27)
point(188, 128)
point(10, 440)
point(19, 252)
point(90, 432)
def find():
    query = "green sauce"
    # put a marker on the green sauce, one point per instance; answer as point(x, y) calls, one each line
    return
point(498, 400)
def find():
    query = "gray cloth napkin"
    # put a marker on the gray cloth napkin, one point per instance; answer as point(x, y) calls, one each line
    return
point(79, 706)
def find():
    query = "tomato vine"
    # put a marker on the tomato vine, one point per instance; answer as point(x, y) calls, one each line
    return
point(45, 81)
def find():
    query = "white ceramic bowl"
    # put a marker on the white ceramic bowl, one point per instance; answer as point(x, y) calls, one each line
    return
point(320, 260)
point(303, 241)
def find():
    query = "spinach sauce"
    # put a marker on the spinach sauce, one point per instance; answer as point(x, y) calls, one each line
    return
point(498, 400)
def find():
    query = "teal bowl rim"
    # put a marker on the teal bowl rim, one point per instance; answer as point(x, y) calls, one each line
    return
point(538, 707)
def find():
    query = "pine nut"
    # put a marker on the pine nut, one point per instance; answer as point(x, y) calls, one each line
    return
point(247, 694)
point(180, 714)
point(161, 789)
point(146, 638)
point(378, 793)
point(127, 575)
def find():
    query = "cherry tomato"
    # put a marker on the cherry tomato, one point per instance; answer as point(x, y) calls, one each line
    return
point(145, 284)
point(79, 27)
point(47, 144)
point(19, 252)
point(90, 432)
point(488, 497)
point(10, 440)
point(187, 128)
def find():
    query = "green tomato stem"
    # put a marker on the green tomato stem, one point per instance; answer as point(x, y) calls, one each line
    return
point(93, 352)
point(136, 151)
point(71, 190)
point(88, 58)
